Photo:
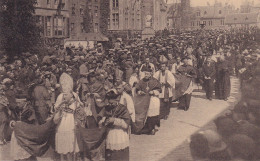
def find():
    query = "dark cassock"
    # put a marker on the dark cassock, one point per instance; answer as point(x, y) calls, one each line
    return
point(42, 100)
point(222, 85)
point(209, 72)
point(186, 74)
point(117, 120)
point(147, 104)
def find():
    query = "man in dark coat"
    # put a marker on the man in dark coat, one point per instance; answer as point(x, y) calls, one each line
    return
point(42, 101)
point(209, 71)
point(222, 86)
point(188, 73)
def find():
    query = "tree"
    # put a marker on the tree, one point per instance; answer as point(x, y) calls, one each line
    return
point(88, 19)
point(104, 16)
point(19, 31)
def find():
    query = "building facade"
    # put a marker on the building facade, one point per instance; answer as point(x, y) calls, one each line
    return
point(174, 16)
point(54, 25)
point(134, 15)
point(243, 20)
point(125, 15)
point(209, 17)
point(78, 10)
point(154, 14)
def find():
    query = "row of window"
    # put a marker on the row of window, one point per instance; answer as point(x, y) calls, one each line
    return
point(55, 2)
point(205, 13)
point(210, 23)
point(53, 26)
point(115, 4)
point(81, 10)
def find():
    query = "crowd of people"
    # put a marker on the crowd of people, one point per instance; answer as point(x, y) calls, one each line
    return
point(84, 103)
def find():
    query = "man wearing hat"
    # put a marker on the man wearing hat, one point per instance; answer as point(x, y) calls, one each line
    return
point(208, 72)
point(187, 72)
point(167, 80)
point(148, 90)
point(208, 145)
point(42, 101)
point(147, 64)
point(117, 119)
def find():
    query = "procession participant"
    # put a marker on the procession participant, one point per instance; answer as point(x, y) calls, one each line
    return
point(124, 90)
point(147, 104)
point(134, 79)
point(50, 82)
point(128, 67)
point(147, 64)
point(10, 94)
point(209, 71)
point(222, 85)
point(66, 103)
point(4, 110)
point(42, 101)
point(187, 72)
point(167, 80)
point(117, 119)
point(176, 65)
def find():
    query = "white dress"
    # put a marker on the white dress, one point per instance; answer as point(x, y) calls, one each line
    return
point(65, 138)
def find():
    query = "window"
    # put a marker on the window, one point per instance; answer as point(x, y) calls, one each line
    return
point(246, 18)
point(210, 23)
point(48, 3)
point(48, 26)
point(204, 22)
point(205, 12)
point(235, 18)
point(73, 9)
point(56, 2)
point(198, 14)
point(115, 19)
point(81, 11)
point(115, 3)
point(220, 12)
point(58, 26)
point(96, 13)
point(222, 22)
point(82, 27)
point(72, 27)
point(108, 23)
point(192, 24)
point(198, 23)
point(96, 27)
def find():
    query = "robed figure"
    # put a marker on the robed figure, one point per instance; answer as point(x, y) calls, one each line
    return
point(167, 81)
point(222, 85)
point(117, 119)
point(147, 104)
point(185, 76)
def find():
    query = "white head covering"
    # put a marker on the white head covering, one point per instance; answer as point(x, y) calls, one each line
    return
point(66, 82)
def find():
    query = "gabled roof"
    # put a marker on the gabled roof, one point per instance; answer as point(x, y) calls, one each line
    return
point(242, 18)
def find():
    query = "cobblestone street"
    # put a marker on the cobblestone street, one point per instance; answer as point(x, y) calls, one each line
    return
point(171, 141)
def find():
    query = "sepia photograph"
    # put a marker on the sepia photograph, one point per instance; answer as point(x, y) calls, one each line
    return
point(129, 80)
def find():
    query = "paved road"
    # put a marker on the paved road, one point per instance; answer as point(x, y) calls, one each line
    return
point(170, 142)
